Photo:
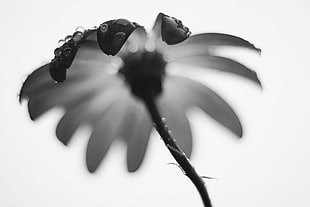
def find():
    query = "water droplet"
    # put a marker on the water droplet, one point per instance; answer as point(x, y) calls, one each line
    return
point(77, 36)
point(104, 27)
point(170, 133)
point(163, 119)
point(80, 29)
point(123, 22)
point(119, 38)
point(67, 51)
point(68, 38)
point(58, 52)
point(166, 128)
point(61, 42)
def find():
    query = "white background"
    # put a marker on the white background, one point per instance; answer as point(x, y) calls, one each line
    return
point(269, 167)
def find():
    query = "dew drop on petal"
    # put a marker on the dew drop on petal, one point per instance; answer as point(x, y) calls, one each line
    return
point(122, 22)
point(77, 36)
point(61, 42)
point(67, 51)
point(57, 52)
point(104, 27)
point(119, 38)
point(68, 38)
point(80, 29)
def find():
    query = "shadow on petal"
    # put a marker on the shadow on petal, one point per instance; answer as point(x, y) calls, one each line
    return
point(136, 130)
point(88, 111)
point(105, 131)
point(190, 93)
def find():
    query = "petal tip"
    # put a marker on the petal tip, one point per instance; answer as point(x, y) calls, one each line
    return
point(62, 137)
point(259, 83)
point(92, 171)
point(92, 161)
point(63, 141)
point(32, 116)
point(239, 133)
point(256, 79)
point(91, 166)
point(133, 165)
point(259, 51)
point(132, 169)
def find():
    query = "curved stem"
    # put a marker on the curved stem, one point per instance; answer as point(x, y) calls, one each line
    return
point(176, 151)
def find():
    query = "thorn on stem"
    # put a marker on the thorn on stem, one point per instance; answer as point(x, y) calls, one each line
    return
point(207, 177)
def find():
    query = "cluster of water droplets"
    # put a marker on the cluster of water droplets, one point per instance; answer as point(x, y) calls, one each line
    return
point(67, 44)
point(77, 36)
point(164, 121)
point(65, 53)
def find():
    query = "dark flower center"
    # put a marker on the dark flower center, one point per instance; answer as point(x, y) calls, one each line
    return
point(144, 72)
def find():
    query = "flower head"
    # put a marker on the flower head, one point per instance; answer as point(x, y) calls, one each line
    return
point(104, 91)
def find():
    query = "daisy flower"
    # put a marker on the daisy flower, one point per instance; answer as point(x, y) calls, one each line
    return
point(108, 91)
point(98, 88)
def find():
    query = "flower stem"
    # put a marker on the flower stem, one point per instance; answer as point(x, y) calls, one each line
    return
point(176, 151)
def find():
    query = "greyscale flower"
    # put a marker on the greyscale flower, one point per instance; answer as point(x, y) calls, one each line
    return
point(103, 91)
